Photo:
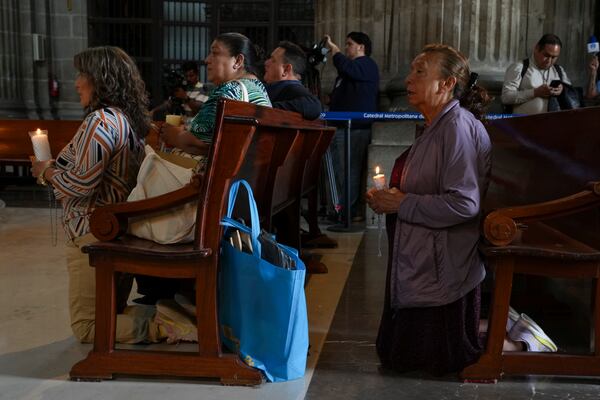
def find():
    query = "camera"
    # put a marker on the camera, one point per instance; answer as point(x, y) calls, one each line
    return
point(172, 79)
point(317, 54)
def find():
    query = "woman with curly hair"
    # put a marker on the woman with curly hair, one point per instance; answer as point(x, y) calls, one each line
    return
point(99, 166)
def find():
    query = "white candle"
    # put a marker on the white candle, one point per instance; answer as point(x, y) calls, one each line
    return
point(41, 146)
point(379, 179)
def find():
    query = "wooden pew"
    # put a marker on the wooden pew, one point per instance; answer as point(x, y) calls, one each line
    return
point(15, 145)
point(543, 219)
point(250, 142)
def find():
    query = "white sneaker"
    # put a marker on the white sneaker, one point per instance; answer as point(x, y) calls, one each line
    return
point(175, 322)
point(535, 339)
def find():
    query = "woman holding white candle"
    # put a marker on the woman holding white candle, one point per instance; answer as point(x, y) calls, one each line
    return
point(431, 311)
point(99, 166)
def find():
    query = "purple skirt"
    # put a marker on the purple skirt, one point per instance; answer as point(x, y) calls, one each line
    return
point(438, 340)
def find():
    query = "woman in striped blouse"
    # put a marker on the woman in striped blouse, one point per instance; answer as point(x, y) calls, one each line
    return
point(232, 67)
point(99, 166)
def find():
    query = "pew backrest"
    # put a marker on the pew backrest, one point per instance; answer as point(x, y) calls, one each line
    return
point(542, 157)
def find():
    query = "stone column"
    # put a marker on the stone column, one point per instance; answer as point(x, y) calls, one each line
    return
point(11, 95)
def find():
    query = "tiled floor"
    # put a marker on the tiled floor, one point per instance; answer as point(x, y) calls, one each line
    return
point(37, 349)
point(349, 368)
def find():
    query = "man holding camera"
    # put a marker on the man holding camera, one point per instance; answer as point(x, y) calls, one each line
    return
point(283, 74)
point(356, 88)
point(528, 85)
point(186, 97)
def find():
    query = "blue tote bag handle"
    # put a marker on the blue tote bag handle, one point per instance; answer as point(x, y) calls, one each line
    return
point(254, 219)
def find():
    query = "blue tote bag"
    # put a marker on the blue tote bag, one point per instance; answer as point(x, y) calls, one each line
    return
point(262, 307)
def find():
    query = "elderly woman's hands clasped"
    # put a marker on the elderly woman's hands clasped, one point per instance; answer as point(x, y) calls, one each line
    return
point(385, 201)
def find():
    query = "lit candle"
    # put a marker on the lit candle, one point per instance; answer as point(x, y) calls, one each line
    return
point(41, 146)
point(379, 179)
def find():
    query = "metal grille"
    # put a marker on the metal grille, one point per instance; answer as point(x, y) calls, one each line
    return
point(240, 11)
point(299, 10)
point(186, 33)
point(302, 35)
point(162, 34)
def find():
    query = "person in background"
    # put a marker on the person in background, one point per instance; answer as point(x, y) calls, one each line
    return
point(98, 167)
point(356, 88)
point(527, 88)
point(283, 75)
point(195, 92)
point(431, 317)
point(185, 97)
point(593, 86)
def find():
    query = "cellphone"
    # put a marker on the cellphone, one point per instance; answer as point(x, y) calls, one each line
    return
point(555, 83)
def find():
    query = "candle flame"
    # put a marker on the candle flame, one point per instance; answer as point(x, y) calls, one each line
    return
point(377, 170)
point(38, 131)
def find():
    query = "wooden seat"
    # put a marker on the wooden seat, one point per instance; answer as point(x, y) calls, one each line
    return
point(545, 223)
point(15, 145)
point(250, 142)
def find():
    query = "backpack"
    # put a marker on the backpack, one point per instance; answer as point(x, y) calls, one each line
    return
point(508, 108)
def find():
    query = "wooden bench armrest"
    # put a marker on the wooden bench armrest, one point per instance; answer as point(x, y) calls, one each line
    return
point(111, 221)
point(501, 226)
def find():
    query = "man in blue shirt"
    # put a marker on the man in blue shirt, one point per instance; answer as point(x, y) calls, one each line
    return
point(356, 88)
point(283, 74)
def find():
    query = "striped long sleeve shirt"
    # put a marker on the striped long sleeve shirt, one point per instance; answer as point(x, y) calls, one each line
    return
point(99, 166)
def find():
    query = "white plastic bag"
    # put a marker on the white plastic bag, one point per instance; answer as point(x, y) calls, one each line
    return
point(158, 176)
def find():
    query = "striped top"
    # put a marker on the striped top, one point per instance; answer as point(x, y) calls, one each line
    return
point(98, 166)
point(203, 124)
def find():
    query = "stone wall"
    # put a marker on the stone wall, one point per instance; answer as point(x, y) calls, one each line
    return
point(24, 82)
point(492, 33)
point(11, 93)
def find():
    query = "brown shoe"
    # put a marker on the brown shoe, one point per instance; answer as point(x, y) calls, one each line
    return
point(358, 218)
point(320, 241)
point(316, 267)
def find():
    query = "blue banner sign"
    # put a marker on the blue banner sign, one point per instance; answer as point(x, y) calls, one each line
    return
point(388, 116)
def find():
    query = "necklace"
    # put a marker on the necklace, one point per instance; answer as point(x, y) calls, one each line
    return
point(546, 75)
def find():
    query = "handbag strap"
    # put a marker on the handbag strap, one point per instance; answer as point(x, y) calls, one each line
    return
point(245, 96)
point(254, 229)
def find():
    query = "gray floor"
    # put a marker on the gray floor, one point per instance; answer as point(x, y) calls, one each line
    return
point(349, 368)
point(37, 348)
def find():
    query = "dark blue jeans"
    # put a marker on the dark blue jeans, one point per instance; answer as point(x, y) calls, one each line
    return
point(359, 144)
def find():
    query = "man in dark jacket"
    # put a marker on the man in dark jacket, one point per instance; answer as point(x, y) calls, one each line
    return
point(356, 88)
point(283, 74)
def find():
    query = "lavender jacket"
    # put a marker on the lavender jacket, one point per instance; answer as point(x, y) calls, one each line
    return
point(435, 258)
